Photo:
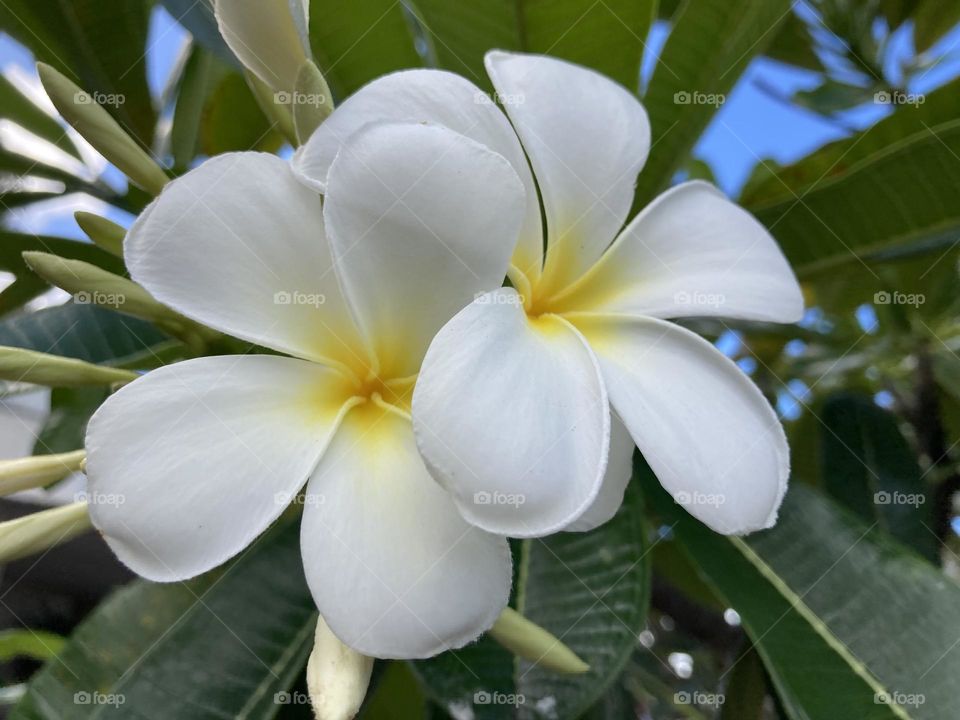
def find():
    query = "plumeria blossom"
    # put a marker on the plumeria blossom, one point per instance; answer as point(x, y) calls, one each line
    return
point(530, 400)
point(349, 289)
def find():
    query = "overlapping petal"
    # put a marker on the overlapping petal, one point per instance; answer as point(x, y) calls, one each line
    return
point(239, 244)
point(188, 464)
point(395, 570)
point(587, 138)
point(511, 416)
point(615, 481)
point(707, 432)
point(421, 219)
point(433, 97)
point(691, 252)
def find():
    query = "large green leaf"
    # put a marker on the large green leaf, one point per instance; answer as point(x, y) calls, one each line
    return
point(220, 646)
point(607, 36)
point(86, 332)
point(101, 46)
point(867, 464)
point(834, 160)
point(355, 42)
point(591, 590)
point(711, 44)
point(898, 201)
point(843, 617)
point(16, 107)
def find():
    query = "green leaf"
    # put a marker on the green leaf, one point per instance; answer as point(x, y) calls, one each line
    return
point(833, 96)
point(355, 42)
point(932, 20)
point(86, 332)
point(608, 37)
point(66, 425)
point(219, 646)
point(841, 615)
point(747, 689)
point(35, 644)
point(591, 590)
point(898, 201)
point(232, 120)
point(16, 107)
point(836, 159)
point(197, 17)
point(100, 46)
point(711, 44)
point(868, 466)
point(795, 45)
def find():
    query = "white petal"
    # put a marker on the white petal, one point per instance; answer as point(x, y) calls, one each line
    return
point(512, 417)
point(188, 464)
point(587, 138)
point(619, 472)
point(437, 98)
point(394, 569)
point(270, 37)
point(421, 220)
point(238, 244)
point(692, 252)
point(705, 429)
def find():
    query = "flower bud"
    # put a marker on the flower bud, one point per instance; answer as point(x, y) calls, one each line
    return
point(28, 366)
point(42, 530)
point(99, 128)
point(106, 234)
point(312, 103)
point(31, 472)
point(531, 642)
point(337, 676)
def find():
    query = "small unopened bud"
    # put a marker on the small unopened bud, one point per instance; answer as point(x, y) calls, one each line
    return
point(99, 128)
point(29, 366)
point(531, 642)
point(106, 234)
point(337, 676)
point(37, 471)
point(42, 530)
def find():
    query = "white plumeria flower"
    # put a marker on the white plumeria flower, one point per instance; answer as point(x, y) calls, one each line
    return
point(206, 454)
point(515, 395)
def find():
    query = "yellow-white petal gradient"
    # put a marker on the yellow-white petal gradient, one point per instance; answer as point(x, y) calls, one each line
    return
point(691, 252)
point(239, 244)
point(512, 418)
point(394, 569)
point(615, 481)
point(188, 464)
point(421, 219)
point(433, 97)
point(270, 37)
point(705, 429)
point(587, 138)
